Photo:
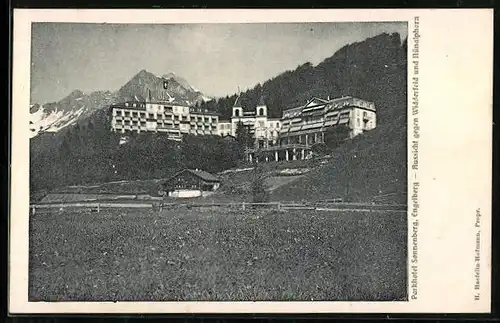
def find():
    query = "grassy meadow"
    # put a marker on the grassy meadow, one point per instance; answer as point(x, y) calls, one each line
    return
point(214, 254)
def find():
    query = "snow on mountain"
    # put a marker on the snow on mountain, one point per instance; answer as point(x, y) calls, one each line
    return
point(52, 121)
point(52, 117)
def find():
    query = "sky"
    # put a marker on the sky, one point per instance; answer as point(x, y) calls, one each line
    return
point(214, 58)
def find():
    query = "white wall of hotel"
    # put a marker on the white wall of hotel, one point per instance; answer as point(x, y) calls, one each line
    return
point(265, 129)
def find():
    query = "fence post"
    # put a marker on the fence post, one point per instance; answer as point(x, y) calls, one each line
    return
point(279, 206)
point(33, 210)
point(243, 206)
point(98, 207)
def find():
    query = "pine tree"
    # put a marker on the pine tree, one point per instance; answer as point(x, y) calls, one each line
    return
point(258, 185)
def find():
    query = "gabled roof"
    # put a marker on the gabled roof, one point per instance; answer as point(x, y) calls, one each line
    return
point(315, 101)
point(206, 176)
point(229, 137)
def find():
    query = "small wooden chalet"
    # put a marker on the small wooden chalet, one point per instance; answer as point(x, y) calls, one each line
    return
point(191, 183)
point(229, 138)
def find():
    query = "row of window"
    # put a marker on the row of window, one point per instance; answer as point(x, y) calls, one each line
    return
point(136, 114)
point(168, 117)
point(260, 112)
point(135, 105)
point(133, 123)
point(163, 124)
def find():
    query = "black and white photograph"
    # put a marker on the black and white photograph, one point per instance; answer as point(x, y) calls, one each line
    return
point(226, 162)
point(250, 161)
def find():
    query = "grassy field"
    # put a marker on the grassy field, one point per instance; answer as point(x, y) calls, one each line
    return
point(217, 255)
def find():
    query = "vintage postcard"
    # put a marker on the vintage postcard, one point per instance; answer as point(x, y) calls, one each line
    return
point(251, 161)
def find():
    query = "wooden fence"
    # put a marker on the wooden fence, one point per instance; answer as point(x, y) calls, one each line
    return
point(280, 206)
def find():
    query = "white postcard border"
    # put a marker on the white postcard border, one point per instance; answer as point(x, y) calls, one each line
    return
point(454, 158)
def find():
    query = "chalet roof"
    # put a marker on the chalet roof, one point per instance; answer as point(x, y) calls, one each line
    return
point(206, 176)
point(229, 137)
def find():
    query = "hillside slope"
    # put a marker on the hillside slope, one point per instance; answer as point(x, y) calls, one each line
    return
point(371, 168)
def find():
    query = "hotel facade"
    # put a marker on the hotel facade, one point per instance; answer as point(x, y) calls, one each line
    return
point(163, 117)
point(304, 126)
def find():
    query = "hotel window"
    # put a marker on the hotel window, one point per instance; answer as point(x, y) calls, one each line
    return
point(261, 124)
point(358, 122)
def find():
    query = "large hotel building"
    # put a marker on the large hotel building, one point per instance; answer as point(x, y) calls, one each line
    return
point(289, 138)
point(165, 117)
point(304, 126)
